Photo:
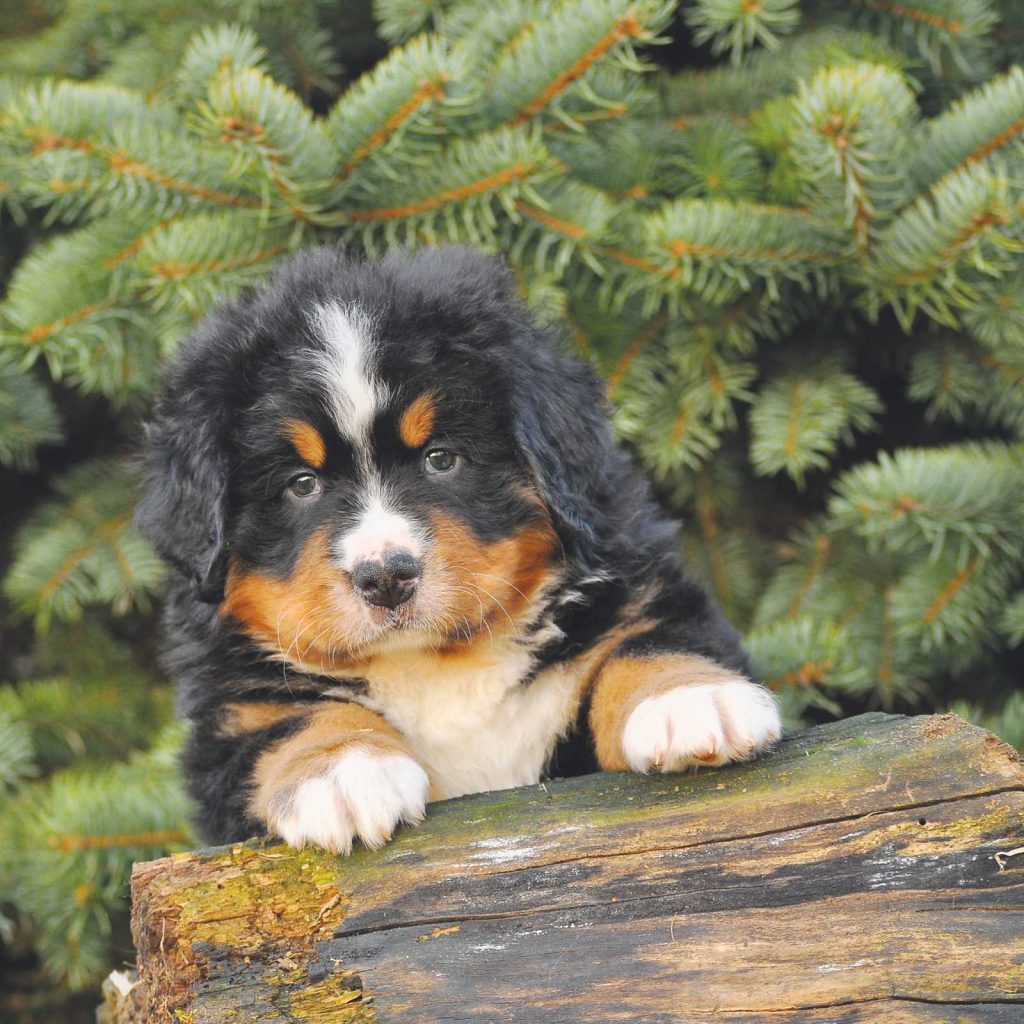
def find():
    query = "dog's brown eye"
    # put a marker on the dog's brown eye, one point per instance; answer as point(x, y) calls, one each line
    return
point(305, 485)
point(440, 460)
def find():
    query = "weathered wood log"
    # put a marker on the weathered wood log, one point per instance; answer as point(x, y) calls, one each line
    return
point(850, 876)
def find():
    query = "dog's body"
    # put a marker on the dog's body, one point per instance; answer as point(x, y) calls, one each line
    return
point(413, 564)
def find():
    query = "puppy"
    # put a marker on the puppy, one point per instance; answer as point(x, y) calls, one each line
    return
point(411, 563)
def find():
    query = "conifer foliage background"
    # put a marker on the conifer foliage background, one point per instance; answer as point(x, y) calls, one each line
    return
point(788, 232)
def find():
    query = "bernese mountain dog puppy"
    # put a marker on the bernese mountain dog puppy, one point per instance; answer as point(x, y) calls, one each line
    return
point(411, 563)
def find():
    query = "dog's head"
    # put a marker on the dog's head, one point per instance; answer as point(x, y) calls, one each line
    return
point(363, 456)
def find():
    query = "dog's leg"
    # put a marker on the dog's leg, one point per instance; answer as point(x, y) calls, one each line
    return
point(663, 710)
point(338, 773)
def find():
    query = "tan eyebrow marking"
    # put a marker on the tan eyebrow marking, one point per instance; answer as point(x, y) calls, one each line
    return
point(417, 422)
point(308, 442)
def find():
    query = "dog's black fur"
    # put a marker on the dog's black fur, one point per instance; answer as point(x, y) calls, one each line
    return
point(520, 414)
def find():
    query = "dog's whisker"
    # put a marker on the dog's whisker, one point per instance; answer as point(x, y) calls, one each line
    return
point(508, 614)
point(312, 643)
point(483, 615)
point(500, 579)
point(488, 594)
point(297, 638)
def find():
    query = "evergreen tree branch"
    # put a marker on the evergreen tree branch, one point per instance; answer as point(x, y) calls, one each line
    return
point(559, 48)
point(967, 384)
point(948, 609)
point(68, 843)
point(968, 223)
point(734, 26)
point(636, 347)
point(805, 658)
point(937, 28)
point(72, 301)
point(17, 756)
point(69, 856)
point(397, 20)
point(712, 246)
point(849, 143)
point(571, 222)
point(800, 418)
point(189, 263)
point(1011, 622)
point(937, 15)
point(97, 147)
point(676, 410)
point(766, 75)
point(101, 713)
point(456, 193)
point(810, 577)
point(919, 500)
point(28, 418)
point(216, 50)
point(996, 315)
point(402, 95)
point(83, 550)
point(706, 518)
point(984, 122)
point(273, 135)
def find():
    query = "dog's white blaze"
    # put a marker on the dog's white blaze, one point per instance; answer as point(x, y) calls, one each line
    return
point(378, 528)
point(354, 394)
point(473, 724)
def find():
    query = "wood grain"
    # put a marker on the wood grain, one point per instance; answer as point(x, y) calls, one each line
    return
point(847, 877)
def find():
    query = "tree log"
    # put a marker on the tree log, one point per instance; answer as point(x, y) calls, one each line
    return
point(849, 876)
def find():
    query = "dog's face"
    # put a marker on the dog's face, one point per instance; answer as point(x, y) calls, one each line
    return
point(365, 457)
point(380, 498)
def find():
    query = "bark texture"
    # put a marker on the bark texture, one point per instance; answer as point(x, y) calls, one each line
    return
point(849, 876)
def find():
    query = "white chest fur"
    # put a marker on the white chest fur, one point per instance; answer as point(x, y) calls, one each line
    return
point(471, 721)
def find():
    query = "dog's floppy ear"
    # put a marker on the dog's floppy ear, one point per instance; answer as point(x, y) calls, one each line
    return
point(562, 432)
point(184, 502)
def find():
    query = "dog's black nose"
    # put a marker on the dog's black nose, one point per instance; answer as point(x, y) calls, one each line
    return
point(389, 582)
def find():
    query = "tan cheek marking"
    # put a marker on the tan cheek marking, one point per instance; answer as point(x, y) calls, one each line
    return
point(330, 730)
point(307, 442)
point(528, 558)
point(302, 616)
point(624, 682)
point(417, 422)
point(255, 715)
point(505, 575)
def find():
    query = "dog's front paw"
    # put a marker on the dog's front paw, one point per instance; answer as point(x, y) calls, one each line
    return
point(709, 724)
point(362, 795)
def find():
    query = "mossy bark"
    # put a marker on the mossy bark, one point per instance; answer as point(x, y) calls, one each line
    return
point(848, 876)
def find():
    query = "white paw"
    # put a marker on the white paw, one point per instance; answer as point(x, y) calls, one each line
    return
point(709, 724)
point(363, 795)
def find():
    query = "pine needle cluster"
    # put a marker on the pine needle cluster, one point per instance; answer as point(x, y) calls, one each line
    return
point(789, 234)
